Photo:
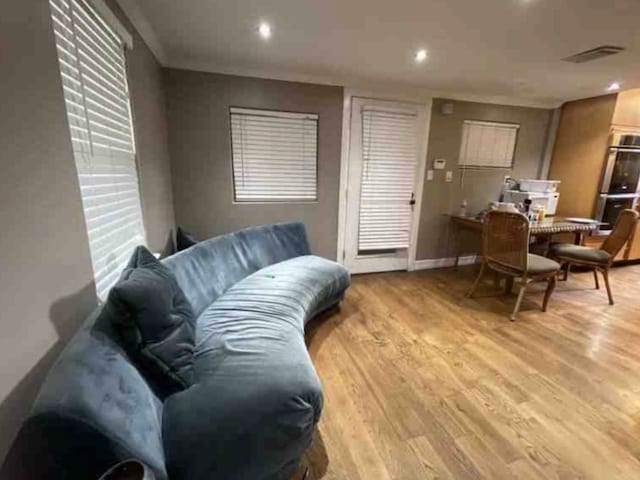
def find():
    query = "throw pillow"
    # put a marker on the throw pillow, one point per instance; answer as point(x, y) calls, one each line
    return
point(184, 240)
point(155, 322)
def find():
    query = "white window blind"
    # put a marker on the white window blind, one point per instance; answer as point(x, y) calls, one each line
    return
point(92, 66)
point(487, 144)
point(389, 150)
point(274, 155)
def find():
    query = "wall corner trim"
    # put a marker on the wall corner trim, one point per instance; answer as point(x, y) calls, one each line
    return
point(141, 23)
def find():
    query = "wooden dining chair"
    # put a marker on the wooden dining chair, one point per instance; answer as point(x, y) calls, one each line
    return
point(505, 249)
point(598, 259)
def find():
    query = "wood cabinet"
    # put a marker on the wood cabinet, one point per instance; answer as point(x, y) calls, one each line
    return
point(580, 153)
point(627, 111)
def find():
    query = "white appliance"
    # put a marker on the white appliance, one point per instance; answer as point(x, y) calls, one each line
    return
point(548, 200)
point(533, 185)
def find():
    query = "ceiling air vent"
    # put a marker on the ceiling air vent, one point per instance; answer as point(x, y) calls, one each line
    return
point(594, 54)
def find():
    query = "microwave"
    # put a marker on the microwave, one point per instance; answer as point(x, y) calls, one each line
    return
point(548, 200)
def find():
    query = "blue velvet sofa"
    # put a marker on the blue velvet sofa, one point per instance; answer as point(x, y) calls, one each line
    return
point(256, 398)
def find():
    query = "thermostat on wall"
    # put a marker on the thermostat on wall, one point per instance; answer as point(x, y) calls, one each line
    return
point(439, 164)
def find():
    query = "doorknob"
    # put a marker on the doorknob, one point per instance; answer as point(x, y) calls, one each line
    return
point(413, 199)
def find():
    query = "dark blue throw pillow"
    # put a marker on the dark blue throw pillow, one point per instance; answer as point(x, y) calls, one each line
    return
point(184, 240)
point(155, 322)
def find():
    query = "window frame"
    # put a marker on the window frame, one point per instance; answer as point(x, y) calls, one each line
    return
point(284, 114)
point(511, 125)
point(86, 158)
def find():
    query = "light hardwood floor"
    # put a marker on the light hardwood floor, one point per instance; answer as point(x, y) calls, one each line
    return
point(421, 382)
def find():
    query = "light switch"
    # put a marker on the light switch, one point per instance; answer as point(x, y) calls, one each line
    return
point(448, 176)
point(429, 175)
point(439, 164)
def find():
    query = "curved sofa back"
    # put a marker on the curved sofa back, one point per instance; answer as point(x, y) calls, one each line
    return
point(208, 269)
point(94, 408)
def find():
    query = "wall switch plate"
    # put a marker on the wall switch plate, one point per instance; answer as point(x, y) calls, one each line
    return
point(429, 175)
point(439, 163)
point(449, 176)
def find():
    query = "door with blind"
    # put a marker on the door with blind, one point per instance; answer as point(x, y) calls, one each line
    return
point(387, 141)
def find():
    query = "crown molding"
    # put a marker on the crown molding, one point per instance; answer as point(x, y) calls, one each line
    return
point(360, 84)
point(144, 28)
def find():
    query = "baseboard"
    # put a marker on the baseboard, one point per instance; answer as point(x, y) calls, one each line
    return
point(443, 262)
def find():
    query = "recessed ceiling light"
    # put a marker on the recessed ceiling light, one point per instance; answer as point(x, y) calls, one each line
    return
point(264, 29)
point(421, 55)
point(613, 87)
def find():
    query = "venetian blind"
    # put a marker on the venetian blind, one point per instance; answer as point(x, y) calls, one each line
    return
point(92, 66)
point(274, 155)
point(487, 144)
point(389, 151)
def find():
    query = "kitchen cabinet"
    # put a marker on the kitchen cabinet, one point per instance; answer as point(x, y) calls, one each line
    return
point(627, 110)
point(581, 151)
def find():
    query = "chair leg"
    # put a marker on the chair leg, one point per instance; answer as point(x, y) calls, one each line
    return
point(551, 285)
point(516, 309)
point(595, 277)
point(477, 281)
point(508, 285)
point(567, 269)
point(605, 275)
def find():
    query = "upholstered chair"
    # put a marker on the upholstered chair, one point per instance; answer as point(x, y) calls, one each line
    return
point(505, 250)
point(598, 259)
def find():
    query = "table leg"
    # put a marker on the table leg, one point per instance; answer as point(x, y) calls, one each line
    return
point(456, 240)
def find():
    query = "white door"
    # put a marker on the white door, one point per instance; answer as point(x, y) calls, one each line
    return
point(385, 168)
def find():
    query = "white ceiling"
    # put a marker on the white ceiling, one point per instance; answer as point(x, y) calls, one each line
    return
point(485, 49)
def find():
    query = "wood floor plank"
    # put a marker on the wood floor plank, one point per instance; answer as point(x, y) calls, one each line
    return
point(423, 383)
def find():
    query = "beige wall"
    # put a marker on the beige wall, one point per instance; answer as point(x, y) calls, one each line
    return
point(45, 269)
point(46, 279)
point(198, 105)
point(478, 187)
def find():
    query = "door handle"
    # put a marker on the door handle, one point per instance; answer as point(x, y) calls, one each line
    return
point(413, 199)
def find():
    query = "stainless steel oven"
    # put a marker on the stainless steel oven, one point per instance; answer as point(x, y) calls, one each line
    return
point(620, 185)
point(609, 206)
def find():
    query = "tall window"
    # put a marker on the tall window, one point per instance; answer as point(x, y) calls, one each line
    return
point(274, 155)
point(92, 66)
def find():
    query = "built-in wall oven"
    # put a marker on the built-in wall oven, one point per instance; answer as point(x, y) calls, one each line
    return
point(620, 185)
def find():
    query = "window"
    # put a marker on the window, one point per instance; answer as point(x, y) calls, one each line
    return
point(92, 66)
point(274, 155)
point(488, 144)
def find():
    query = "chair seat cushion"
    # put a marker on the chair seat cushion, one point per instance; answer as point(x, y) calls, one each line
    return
point(578, 252)
point(539, 265)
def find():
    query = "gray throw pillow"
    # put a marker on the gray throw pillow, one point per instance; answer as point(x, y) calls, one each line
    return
point(184, 240)
point(155, 322)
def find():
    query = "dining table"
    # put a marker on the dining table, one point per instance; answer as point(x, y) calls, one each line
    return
point(547, 227)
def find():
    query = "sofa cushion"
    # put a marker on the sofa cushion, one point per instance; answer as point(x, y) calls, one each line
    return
point(184, 240)
point(578, 252)
point(155, 322)
point(256, 397)
point(206, 270)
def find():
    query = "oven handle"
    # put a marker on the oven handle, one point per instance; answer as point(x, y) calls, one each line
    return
point(625, 149)
point(615, 196)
